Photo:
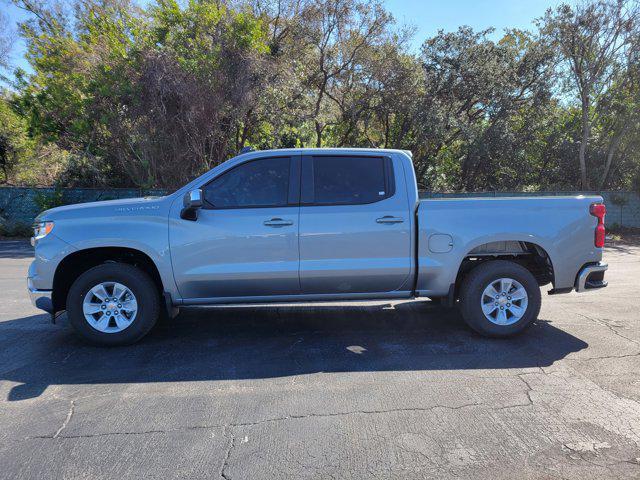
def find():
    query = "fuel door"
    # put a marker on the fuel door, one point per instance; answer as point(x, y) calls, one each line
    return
point(440, 243)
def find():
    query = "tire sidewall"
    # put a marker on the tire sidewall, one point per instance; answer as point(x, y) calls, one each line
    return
point(478, 280)
point(137, 281)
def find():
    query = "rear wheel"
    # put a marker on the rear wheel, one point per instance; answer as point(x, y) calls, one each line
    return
point(113, 304)
point(500, 298)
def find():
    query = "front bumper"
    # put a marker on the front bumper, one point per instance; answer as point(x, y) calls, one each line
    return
point(591, 277)
point(40, 298)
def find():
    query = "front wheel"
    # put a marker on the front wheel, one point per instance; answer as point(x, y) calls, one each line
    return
point(500, 298)
point(113, 304)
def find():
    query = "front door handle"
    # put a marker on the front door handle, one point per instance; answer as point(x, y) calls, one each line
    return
point(277, 222)
point(389, 219)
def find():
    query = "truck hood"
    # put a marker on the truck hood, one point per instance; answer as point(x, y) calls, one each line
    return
point(125, 206)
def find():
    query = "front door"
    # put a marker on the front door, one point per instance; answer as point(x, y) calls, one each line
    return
point(355, 230)
point(245, 240)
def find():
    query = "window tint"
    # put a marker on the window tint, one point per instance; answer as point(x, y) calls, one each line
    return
point(349, 180)
point(259, 183)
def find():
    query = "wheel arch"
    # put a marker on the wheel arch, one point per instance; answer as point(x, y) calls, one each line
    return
point(530, 254)
point(78, 262)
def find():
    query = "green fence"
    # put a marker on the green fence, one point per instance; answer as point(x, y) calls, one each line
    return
point(19, 206)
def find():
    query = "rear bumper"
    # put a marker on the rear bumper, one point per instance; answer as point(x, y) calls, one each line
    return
point(40, 298)
point(591, 277)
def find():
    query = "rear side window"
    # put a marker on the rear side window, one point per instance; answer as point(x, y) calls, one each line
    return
point(258, 183)
point(347, 180)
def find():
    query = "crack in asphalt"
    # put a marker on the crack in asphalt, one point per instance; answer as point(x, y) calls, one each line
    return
point(225, 460)
point(610, 327)
point(528, 385)
point(66, 421)
point(606, 465)
point(273, 420)
point(604, 357)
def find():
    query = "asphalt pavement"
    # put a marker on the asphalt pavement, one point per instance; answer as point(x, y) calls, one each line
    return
point(392, 390)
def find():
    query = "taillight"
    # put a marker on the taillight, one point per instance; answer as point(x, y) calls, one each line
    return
point(599, 210)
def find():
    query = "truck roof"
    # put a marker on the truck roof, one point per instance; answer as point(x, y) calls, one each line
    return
point(341, 150)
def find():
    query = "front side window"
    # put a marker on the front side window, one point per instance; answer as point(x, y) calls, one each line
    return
point(258, 183)
point(349, 180)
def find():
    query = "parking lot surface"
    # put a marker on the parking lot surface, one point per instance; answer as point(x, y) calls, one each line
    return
point(368, 390)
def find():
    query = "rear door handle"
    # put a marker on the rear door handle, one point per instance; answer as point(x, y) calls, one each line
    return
point(277, 222)
point(389, 219)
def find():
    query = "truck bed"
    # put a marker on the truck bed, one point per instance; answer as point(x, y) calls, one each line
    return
point(450, 229)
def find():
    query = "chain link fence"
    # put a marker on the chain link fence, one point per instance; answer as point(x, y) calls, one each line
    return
point(20, 205)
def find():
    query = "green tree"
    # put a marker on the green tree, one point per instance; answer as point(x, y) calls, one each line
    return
point(15, 144)
point(481, 103)
point(151, 96)
point(156, 98)
point(594, 40)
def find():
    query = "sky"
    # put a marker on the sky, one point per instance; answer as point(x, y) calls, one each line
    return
point(426, 16)
point(429, 16)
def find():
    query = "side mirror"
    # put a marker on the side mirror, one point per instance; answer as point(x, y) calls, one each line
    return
point(192, 202)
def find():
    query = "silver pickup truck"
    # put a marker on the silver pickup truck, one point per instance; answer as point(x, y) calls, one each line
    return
point(311, 225)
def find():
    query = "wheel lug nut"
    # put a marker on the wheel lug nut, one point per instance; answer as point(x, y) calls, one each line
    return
point(103, 307)
point(107, 312)
point(119, 306)
point(501, 308)
point(508, 304)
point(496, 304)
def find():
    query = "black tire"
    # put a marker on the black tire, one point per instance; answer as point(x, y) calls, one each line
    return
point(475, 283)
point(140, 284)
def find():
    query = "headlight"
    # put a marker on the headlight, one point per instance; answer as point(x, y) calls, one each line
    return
point(42, 229)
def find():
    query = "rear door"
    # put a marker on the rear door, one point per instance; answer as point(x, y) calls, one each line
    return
point(355, 230)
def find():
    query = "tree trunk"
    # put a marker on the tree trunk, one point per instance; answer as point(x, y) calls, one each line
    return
point(318, 134)
point(586, 131)
point(613, 146)
point(386, 130)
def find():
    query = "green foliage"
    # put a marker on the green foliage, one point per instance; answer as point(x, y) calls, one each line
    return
point(619, 200)
point(15, 229)
point(46, 200)
point(15, 144)
point(151, 97)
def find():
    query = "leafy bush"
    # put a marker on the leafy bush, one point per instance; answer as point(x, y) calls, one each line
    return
point(46, 200)
point(15, 229)
point(620, 200)
point(153, 95)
